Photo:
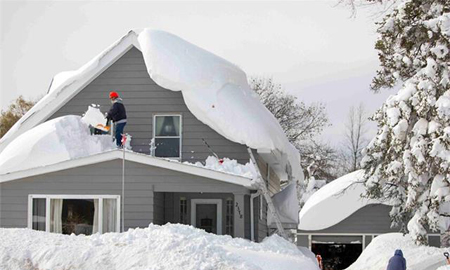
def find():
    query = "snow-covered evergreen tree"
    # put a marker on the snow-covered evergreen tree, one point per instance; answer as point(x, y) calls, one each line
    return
point(408, 161)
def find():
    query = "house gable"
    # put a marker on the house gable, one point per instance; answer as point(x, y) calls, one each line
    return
point(143, 98)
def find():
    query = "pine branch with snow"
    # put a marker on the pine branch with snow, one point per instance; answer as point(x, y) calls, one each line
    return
point(409, 158)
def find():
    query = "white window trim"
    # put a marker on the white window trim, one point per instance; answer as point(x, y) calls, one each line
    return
point(168, 137)
point(217, 202)
point(48, 197)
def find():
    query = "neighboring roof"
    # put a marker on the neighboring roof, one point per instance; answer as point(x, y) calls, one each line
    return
point(334, 202)
point(215, 91)
point(134, 157)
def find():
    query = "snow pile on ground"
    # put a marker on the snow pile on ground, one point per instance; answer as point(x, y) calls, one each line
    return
point(215, 91)
point(227, 165)
point(445, 267)
point(377, 254)
point(93, 116)
point(286, 204)
point(334, 202)
point(57, 140)
point(172, 246)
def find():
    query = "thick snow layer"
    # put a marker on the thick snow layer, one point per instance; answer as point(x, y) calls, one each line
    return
point(382, 248)
point(215, 91)
point(286, 204)
point(57, 140)
point(227, 165)
point(156, 247)
point(334, 202)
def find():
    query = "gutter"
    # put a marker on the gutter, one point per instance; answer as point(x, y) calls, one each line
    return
point(252, 216)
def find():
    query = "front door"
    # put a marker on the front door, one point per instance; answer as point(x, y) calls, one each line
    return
point(206, 214)
point(206, 218)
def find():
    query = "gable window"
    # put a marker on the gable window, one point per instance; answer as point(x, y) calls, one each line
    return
point(167, 135)
point(78, 214)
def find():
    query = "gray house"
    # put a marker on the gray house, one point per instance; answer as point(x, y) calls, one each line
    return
point(84, 195)
point(338, 224)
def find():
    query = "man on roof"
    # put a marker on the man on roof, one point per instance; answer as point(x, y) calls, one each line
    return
point(118, 115)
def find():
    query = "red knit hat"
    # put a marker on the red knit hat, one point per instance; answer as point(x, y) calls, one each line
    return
point(113, 95)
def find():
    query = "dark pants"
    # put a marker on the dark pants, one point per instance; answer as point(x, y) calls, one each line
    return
point(119, 132)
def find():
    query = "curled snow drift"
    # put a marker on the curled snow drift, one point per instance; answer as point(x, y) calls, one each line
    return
point(57, 140)
point(334, 202)
point(377, 254)
point(286, 204)
point(215, 91)
point(156, 247)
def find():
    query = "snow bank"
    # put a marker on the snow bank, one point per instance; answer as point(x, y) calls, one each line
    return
point(57, 140)
point(156, 247)
point(382, 248)
point(334, 202)
point(227, 165)
point(286, 204)
point(215, 91)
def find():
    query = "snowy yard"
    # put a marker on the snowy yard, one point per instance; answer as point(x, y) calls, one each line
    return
point(377, 254)
point(171, 246)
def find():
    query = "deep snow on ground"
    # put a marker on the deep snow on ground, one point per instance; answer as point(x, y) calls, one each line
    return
point(172, 246)
point(382, 248)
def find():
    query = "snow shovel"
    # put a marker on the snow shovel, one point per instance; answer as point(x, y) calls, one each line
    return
point(103, 127)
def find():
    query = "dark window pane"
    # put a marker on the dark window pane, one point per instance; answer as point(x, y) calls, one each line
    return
point(169, 147)
point(167, 126)
point(38, 214)
point(78, 216)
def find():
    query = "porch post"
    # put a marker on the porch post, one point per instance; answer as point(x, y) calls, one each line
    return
point(239, 215)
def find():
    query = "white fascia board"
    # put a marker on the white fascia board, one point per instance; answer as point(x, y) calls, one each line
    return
point(134, 157)
point(67, 92)
point(275, 160)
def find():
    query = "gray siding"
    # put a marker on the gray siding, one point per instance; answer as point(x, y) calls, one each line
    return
point(143, 98)
point(373, 218)
point(105, 178)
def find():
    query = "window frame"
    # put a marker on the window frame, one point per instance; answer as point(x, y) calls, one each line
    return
point(49, 197)
point(169, 137)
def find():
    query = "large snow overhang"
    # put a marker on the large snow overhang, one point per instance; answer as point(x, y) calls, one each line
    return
point(334, 202)
point(221, 86)
point(133, 157)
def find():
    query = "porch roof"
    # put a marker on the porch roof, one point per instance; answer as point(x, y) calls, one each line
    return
point(134, 157)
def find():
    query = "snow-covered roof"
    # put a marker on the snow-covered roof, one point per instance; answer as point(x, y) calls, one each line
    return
point(215, 91)
point(133, 157)
point(57, 140)
point(334, 202)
